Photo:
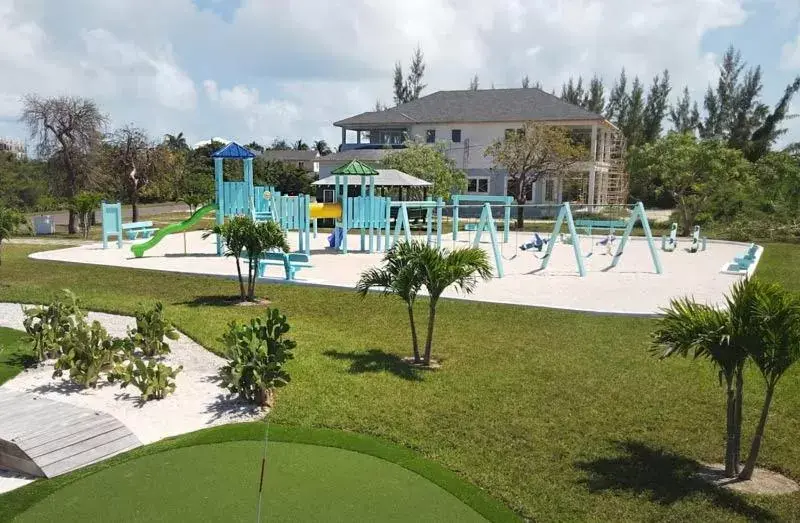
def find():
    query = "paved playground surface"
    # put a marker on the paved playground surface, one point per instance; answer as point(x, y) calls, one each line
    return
point(632, 287)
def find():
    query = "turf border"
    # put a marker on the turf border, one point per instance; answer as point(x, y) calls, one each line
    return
point(18, 501)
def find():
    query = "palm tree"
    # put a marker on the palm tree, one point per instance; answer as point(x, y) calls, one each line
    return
point(690, 328)
point(176, 142)
point(300, 145)
point(440, 268)
point(777, 323)
point(397, 277)
point(321, 146)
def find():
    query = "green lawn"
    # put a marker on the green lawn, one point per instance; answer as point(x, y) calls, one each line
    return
point(563, 416)
point(14, 354)
point(310, 475)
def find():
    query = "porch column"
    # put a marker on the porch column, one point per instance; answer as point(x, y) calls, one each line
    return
point(593, 166)
point(358, 136)
point(344, 135)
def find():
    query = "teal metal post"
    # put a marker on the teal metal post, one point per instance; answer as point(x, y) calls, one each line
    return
point(362, 206)
point(218, 180)
point(387, 244)
point(507, 218)
point(455, 218)
point(371, 215)
point(638, 214)
point(487, 222)
point(428, 223)
point(306, 209)
point(345, 210)
point(564, 213)
point(439, 209)
point(248, 178)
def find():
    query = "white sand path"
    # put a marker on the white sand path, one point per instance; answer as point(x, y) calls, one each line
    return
point(198, 401)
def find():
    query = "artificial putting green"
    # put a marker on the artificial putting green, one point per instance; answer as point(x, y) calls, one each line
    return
point(219, 482)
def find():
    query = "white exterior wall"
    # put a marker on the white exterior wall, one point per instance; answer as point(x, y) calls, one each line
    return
point(478, 135)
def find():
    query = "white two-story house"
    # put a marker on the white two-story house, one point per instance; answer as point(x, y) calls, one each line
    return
point(469, 121)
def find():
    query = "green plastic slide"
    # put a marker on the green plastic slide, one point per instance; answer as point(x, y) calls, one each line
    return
point(139, 249)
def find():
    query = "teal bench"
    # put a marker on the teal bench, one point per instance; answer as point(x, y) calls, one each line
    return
point(470, 226)
point(136, 230)
point(291, 262)
point(588, 225)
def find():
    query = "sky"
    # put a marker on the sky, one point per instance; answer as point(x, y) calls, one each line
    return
point(265, 69)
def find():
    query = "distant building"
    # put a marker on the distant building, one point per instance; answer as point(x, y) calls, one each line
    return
point(306, 160)
point(16, 147)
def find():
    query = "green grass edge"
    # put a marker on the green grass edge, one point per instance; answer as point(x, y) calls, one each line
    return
point(18, 501)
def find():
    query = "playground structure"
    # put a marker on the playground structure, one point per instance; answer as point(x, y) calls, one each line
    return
point(696, 242)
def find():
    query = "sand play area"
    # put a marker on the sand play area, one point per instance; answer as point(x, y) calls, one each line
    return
point(633, 287)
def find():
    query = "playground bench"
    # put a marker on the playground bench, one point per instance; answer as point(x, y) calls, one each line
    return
point(600, 224)
point(470, 226)
point(291, 262)
point(135, 230)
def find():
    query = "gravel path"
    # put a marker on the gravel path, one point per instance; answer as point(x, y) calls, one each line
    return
point(198, 401)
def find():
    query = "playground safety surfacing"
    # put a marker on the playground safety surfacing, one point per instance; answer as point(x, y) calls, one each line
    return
point(632, 287)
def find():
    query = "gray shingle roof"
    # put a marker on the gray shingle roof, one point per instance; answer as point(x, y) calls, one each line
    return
point(365, 155)
point(484, 105)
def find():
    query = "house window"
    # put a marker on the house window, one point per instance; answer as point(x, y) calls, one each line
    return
point(510, 132)
point(301, 165)
point(327, 195)
point(511, 190)
point(455, 135)
point(430, 136)
point(478, 185)
point(549, 190)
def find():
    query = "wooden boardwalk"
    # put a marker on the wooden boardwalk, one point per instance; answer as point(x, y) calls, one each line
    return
point(46, 438)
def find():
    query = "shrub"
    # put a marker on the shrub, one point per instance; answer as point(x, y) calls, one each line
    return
point(257, 353)
point(88, 351)
point(47, 326)
point(152, 327)
point(84, 205)
point(153, 379)
point(10, 221)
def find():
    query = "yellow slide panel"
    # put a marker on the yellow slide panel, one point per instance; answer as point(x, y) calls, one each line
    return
point(326, 210)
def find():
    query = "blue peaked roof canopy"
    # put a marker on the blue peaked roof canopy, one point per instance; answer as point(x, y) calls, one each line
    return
point(233, 150)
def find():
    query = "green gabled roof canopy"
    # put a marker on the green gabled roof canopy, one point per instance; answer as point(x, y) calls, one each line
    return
point(355, 168)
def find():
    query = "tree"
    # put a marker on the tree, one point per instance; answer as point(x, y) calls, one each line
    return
point(134, 162)
point(765, 136)
point(255, 147)
point(241, 235)
point(617, 107)
point(473, 83)
point(84, 205)
point(526, 82)
point(595, 99)
point(399, 277)
point(379, 106)
point(409, 89)
point(705, 178)
point(656, 108)
point(279, 144)
point(300, 145)
point(284, 176)
point(632, 125)
point(431, 163)
point(10, 222)
point(176, 142)
point(538, 151)
point(777, 327)
point(684, 116)
point(321, 146)
point(66, 130)
point(440, 269)
point(573, 93)
point(196, 188)
point(723, 336)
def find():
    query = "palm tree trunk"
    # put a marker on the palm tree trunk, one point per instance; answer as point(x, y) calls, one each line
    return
point(730, 442)
point(414, 341)
point(739, 400)
point(241, 282)
point(429, 341)
point(755, 447)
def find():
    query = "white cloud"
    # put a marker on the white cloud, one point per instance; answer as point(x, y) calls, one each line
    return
point(790, 54)
point(292, 67)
